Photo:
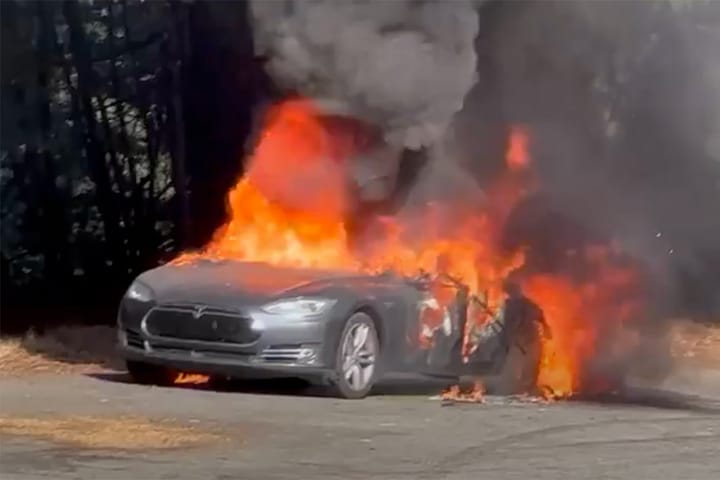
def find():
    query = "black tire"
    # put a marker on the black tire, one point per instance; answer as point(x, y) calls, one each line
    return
point(342, 386)
point(148, 374)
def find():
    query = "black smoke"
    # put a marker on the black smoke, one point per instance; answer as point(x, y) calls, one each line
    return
point(622, 100)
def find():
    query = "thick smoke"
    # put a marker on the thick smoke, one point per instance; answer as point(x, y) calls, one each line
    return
point(623, 103)
point(404, 65)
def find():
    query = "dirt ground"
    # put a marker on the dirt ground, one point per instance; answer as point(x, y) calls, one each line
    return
point(87, 422)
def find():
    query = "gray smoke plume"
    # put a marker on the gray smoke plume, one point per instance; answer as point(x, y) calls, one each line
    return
point(404, 65)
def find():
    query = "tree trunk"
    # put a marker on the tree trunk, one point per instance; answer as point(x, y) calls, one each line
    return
point(107, 203)
point(174, 58)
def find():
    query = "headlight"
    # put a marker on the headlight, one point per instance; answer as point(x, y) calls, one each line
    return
point(299, 306)
point(139, 292)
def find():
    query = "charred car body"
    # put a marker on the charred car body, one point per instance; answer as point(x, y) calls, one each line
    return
point(244, 319)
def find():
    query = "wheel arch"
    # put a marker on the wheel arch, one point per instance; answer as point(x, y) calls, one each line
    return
point(332, 337)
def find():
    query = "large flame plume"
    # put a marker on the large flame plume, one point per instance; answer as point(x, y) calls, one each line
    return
point(289, 208)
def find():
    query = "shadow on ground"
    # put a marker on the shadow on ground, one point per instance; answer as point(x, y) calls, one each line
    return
point(403, 386)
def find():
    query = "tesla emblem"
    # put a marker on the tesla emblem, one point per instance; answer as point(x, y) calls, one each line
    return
point(198, 311)
point(214, 325)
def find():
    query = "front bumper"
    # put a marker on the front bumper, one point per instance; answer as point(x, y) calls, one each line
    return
point(227, 367)
point(283, 348)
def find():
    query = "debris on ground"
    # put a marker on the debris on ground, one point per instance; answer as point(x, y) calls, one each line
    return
point(71, 349)
point(129, 433)
point(495, 400)
point(475, 393)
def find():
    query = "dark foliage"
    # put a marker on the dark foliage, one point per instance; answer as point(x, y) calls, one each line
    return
point(123, 124)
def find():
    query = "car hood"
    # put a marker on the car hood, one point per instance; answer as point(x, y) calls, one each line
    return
point(233, 283)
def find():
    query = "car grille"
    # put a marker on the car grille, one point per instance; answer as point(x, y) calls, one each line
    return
point(191, 323)
point(205, 352)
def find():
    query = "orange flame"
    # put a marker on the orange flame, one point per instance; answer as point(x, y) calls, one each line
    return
point(290, 209)
point(191, 379)
point(579, 313)
point(476, 394)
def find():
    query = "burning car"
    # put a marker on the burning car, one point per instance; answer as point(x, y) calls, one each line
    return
point(292, 284)
point(251, 319)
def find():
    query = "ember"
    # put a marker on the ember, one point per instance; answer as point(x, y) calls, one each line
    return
point(290, 209)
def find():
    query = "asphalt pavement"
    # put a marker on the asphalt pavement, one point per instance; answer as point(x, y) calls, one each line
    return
point(269, 432)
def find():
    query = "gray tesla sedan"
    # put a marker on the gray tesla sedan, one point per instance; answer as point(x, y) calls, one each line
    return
point(233, 319)
point(243, 319)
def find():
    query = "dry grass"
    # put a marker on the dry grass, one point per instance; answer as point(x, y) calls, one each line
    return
point(127, 433)
point(61, 350)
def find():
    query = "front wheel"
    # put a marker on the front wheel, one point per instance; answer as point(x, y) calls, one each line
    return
point(357, 358)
